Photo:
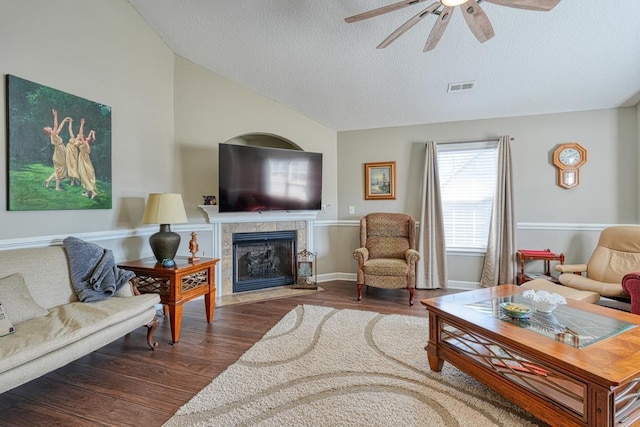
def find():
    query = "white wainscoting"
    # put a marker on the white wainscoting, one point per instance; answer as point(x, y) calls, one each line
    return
point(116, 240)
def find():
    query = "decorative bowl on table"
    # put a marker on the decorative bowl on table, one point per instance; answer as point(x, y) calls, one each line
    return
point(513, 309)
point(543, 301)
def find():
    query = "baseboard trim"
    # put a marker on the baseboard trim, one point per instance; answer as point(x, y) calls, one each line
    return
point(336, 276)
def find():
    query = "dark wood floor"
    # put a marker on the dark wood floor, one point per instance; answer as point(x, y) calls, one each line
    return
point(126, 384)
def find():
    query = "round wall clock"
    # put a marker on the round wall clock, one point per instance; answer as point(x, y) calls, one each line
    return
point(568, 158)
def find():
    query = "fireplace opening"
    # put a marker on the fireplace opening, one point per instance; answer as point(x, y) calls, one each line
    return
point(263, 259)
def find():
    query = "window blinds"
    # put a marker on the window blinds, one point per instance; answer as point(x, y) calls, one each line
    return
point(467, 173)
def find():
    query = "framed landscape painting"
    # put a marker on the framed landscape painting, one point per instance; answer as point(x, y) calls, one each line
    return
point(59, 149)
point(380, 181)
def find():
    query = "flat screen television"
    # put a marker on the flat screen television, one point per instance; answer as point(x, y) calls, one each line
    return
point(256, 179)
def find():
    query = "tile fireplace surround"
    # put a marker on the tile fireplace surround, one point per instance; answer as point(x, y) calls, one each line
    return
point(223, 225)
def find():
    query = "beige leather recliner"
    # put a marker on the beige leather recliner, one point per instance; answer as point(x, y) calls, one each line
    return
point(617, 253)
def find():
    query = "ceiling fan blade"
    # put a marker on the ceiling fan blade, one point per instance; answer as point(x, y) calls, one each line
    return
point(477, 21)
point(438, 28)
point(541, 5)
point(407, 25)
point(382, 10)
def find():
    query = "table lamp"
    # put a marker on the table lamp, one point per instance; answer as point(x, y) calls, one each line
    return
point(164, 209)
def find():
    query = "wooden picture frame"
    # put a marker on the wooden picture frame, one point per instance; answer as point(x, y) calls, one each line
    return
point(380, 181)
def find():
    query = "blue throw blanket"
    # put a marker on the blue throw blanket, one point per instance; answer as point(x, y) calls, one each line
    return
point(94, 273)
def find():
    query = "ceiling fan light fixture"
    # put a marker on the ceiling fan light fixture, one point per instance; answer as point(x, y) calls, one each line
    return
point(452, 3)
point(474, 15)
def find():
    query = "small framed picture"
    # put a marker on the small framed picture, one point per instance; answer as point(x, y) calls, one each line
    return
point(380, 181)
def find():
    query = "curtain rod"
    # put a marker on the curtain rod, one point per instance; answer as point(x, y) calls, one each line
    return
point(474, 140)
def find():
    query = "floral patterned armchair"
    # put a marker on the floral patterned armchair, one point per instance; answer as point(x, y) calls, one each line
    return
point(387, 257)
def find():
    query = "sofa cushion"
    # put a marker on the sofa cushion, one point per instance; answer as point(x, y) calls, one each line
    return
point(45, 271)
point(387, 247)
point(385, 267)
point(67, 324)
point(6, 327)
point(18, 303)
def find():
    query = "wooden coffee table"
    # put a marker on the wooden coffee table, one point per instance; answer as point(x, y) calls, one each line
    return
point(579, 365)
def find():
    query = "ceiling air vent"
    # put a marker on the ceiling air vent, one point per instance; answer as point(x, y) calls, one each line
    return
point(461, 87)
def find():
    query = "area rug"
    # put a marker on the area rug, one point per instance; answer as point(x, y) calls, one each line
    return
point(321, 366)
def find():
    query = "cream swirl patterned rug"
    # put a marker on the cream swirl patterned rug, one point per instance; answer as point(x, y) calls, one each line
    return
point(321, 366)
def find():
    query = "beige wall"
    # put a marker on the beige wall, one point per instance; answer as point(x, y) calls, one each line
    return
point(102, 51)
point(210, 110)
point(637, 173)
point(548, 216)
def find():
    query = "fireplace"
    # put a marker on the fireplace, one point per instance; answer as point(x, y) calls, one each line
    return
point(224, 226)
point(263, 259)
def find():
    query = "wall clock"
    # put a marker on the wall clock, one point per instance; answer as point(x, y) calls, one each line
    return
point(568, 158)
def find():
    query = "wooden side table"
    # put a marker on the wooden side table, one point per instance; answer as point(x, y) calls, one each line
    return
point(543, 255)
point(176, 285)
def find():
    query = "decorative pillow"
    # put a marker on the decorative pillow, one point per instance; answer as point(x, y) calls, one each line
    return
point(6, 327)
point(16, 300)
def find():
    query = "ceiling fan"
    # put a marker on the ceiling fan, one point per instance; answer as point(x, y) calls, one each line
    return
point(475, 17)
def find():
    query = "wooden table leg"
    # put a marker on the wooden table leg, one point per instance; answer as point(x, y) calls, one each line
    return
point(175, 319)
point(600, 406)
point(210, 305)
point(435, 362)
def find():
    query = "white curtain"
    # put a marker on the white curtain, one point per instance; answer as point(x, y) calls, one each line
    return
point(432, 267)
point(499, 262)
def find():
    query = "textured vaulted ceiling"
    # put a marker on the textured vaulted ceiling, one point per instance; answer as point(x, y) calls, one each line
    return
point(582, 55)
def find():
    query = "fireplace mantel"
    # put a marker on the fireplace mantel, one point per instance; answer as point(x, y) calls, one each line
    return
point(214, 215)
point(223, 222)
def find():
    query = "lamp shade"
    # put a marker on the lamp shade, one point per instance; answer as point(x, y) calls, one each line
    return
point(452, 3)
point(164, 208)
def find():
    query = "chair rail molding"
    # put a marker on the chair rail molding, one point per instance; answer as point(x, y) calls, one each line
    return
point(520, 226)
point(93, 236)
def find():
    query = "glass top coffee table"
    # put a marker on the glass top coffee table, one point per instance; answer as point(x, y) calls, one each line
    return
point(570, 325)
point(579, 365)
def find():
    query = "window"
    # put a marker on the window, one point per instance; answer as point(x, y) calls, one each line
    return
point(467, 173)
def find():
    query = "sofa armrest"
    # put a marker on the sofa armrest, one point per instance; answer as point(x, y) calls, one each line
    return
point(605, 289)
point(411, 256)
point(361, 255)
point(125, 291)
point(631, 284)
point(571, 268)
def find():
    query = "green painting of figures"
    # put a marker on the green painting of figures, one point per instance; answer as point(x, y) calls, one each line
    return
point(59, 153)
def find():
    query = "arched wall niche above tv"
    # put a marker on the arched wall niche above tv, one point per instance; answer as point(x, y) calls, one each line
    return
point(263, 140)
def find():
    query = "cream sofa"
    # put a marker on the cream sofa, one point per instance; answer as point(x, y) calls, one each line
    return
point(64, 328)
